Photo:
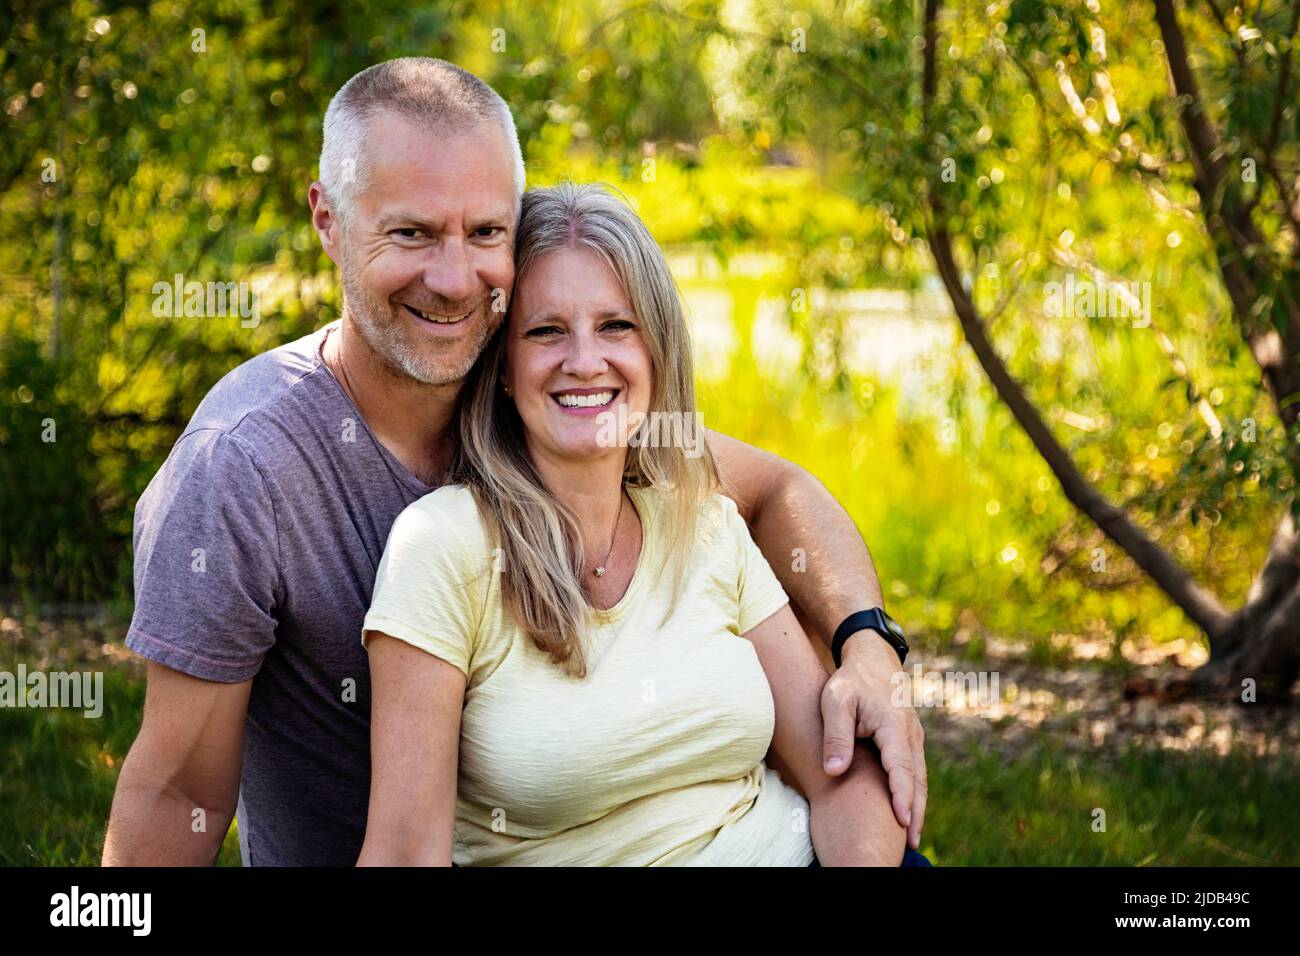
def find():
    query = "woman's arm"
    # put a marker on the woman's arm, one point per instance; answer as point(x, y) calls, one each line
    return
point(414, 745)
point(853, 822)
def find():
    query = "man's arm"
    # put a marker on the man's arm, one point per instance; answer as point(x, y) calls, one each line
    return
point(852, 822)
point(186, 757)
point(787, 508)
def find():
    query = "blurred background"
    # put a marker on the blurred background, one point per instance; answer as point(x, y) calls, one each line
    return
point(884, 219)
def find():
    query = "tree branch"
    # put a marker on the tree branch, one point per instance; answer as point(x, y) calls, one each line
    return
point(1198, 603)
point(1236, 240)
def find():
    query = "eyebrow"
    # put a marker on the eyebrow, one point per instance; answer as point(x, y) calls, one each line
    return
point(498, 217)
point(402, 219)
point(600, 316)
point(405, 220)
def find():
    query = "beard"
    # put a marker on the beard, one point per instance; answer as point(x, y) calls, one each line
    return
point(403, 349)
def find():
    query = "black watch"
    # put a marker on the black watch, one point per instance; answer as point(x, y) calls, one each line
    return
point(877, 620)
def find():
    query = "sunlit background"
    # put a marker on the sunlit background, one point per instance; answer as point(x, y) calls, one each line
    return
point(777, 152)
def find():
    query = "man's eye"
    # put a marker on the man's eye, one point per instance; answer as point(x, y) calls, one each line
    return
point(487, 232)
point(411, 233)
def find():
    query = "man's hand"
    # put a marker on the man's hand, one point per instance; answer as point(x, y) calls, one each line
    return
point(860, 701)
point(788, 508)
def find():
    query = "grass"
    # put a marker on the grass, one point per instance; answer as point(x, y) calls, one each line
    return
point(60, 769)
point(1161, 809)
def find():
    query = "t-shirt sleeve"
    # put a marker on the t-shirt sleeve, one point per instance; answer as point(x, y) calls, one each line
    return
point(427, 587)
point(207, 573)
point(760, 593)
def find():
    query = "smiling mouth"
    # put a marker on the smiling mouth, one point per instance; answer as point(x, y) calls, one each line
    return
point(434, 317)
point(587, 400)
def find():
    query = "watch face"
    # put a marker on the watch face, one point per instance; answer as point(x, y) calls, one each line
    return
point(894, 628)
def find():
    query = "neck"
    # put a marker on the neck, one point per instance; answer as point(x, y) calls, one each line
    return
point(413, 420)
point(592, 490)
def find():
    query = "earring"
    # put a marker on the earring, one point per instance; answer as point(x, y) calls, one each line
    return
point(506, 389)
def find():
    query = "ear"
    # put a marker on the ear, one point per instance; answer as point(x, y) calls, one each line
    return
point(325, 223)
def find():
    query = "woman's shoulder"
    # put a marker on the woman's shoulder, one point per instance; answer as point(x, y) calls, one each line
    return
point(447, 516)
point(662, 496)
point(716, 514)
point(447, 501)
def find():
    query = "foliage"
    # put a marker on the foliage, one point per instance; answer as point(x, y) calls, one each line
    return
point(788, 137)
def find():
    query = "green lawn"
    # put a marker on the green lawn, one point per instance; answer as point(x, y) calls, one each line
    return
point(59, 772)
point(1161, 808)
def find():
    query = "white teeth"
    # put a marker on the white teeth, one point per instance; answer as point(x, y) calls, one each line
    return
point(440, 319)
point(585, 401)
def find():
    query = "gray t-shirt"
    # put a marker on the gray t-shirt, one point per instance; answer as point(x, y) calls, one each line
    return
point(256, 547)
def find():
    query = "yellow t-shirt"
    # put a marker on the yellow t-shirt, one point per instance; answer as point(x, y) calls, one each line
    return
point(656, 756)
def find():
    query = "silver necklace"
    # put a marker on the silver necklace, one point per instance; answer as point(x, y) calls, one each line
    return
point(599, 570)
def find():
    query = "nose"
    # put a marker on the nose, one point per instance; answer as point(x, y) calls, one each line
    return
point(449, 272)
point(585, 356)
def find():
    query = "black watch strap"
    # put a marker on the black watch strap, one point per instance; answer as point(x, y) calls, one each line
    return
point(873, 619)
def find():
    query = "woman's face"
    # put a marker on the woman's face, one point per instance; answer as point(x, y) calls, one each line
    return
point(577, 363)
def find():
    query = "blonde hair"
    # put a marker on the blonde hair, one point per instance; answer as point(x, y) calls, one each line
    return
point(541, 547)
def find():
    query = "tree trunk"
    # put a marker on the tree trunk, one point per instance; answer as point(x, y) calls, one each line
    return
point(1254, 651)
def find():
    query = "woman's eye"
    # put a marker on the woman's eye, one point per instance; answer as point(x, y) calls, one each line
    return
point(542, 331)
point(618, 325)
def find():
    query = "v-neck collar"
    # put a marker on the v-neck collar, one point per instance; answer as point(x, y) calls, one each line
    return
point(645, 512)
point(400, 471)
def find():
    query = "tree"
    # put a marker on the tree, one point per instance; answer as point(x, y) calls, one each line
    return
point(1011, 140)
point(1261, 639)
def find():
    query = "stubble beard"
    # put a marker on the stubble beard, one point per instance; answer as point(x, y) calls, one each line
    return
point(400, 347)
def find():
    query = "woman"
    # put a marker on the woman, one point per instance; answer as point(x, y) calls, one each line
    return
point(578, 655)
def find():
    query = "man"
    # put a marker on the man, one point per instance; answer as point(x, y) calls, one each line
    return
point(258, 540)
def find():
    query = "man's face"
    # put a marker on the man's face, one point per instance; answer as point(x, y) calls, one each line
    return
point(428, 253)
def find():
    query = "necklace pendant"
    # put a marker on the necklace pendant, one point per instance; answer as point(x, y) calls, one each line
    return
point(599, 572)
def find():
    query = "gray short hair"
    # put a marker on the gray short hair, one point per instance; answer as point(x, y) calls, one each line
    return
point(420, 88)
